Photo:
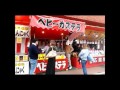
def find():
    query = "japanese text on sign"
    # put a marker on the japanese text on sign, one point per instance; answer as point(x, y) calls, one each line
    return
point(21, 68)
point(61, 24)
point(58, 64)
point(22, 31)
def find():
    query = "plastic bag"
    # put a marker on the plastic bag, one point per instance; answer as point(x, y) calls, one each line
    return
point(52, 53)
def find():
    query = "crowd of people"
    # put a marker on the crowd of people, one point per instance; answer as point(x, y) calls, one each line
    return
point(71, 46)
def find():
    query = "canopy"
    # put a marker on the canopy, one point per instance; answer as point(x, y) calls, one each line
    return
point(54, 23)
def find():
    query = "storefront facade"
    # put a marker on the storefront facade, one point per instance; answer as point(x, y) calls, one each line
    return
point(50, 28)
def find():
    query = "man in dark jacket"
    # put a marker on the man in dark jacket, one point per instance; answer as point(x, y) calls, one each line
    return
point(33, 54)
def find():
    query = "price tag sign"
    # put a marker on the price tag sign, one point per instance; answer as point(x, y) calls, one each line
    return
point(41, 56)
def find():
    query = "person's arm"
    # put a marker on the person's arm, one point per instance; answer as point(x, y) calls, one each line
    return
point(72, 49)
point(81, 53)
point(36, 50)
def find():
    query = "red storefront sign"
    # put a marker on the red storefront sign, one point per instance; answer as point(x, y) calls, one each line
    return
point(59, 65)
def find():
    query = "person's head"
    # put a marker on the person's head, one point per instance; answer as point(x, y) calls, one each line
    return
point(52, 43)
point(47, 44)
point(85, 46)
point(35, 41)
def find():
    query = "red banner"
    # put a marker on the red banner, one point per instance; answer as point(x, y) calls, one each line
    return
point(50, 22)
point(59, 65)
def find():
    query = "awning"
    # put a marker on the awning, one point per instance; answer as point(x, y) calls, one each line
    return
point(54, 23)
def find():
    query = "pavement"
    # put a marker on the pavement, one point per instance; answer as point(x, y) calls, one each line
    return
point(91, 71)
point(99, 70)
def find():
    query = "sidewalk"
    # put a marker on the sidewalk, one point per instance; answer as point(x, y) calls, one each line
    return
point(100, 70)
point(91, 71)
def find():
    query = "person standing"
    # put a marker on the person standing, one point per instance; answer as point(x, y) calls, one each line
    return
point(83, 55)
point(68, 51)
point(33, 55)
point(46, 48)
point(50, 70)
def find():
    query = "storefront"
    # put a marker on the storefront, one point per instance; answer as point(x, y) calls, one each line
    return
point(47, 28)
point(95, 38)
point(22, 38)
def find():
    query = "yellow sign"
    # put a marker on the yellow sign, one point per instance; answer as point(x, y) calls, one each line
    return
point(16, 58)
point(19, 40)
point(25, 58)
point(19, 64)
point(60, 57)
point(41, 56)
point(22, 27)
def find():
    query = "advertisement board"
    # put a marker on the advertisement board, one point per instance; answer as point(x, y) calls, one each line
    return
point(21, 68)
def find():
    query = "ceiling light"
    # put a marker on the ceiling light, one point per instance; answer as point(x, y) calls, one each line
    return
point(43, 32)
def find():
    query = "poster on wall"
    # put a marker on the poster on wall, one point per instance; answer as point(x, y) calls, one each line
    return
point(21, 68)
point(22, 31)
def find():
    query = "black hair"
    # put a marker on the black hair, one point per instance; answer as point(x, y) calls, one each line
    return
point(34, 40)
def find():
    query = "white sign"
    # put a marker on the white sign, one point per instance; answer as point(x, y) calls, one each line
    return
point(21, 68)
point(22, 31)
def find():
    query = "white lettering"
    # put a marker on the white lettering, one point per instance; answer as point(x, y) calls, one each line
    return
point(42, 66)
point(64, 64)
point(39, 66)
point(58, 64)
